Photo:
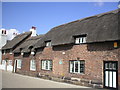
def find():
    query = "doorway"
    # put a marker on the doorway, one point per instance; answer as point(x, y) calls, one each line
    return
point(111, 74)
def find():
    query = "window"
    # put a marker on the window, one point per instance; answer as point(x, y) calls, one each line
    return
point(32, 65)
point(19, 63)
point(77, 66)
point(3, 62)
point(10, 62)
point(46, 64)
point(48, 43)
point(80, 39)
point(10, 52)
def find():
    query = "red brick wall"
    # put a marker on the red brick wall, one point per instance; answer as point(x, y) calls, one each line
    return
point(93, 54)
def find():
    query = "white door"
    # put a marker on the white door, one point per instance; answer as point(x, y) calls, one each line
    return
point(3, 66)
point(110, 74)
point(9, 65)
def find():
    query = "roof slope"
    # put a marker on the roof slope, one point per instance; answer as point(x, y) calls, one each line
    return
point(17, 40)
point(26, 46)
point(99, 28)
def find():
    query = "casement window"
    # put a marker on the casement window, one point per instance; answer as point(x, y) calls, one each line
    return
point(48, 44)
point(32, 65)
point(3, 62)
point(77, 66)
point(46, 64)
point(9, 62)
point(19, 64)
point(10, 52)
point(80, 39)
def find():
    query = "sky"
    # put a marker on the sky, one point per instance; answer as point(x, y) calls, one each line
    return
point(46, 15)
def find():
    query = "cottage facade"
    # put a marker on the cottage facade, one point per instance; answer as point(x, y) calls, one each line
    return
point(7, 49)
point(84, 52)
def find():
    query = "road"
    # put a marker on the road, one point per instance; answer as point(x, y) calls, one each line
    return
point(12, 80)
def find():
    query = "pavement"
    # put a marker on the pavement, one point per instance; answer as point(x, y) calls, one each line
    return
point(13, 80)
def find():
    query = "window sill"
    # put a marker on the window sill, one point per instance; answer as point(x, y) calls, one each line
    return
point(77, 73)
point(32, 69)
point(18, 68)
point(80, 43)
point(46, 70)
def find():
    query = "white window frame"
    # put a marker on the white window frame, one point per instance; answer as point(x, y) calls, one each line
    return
point(32, 65)
point(48, 43)
point(81, 39)
point(19, 63)
point(10, 52)
point(72, 65)
point(46, 65)
point(9, 62)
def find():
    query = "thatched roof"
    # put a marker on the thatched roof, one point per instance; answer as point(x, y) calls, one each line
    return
point(28, 44)
point(98, 28)
point(16, 41)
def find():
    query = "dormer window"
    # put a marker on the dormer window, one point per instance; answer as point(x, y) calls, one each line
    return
point(48, 43)
point(80, 39)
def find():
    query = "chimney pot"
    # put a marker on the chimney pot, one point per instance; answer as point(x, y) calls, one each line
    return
point(33, 27)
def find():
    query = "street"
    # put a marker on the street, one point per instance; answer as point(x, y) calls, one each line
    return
point(12, 80)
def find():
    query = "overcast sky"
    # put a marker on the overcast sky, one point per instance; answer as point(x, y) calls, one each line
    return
point(46, 15)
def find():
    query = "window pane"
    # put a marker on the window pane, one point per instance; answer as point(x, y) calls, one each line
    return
point(48, 43)
point(106, 66)
point(32, 65)
point(46, 64)
point(82, 66)
point(81, 40)
point(76, 66)
point(77, 40)
point(110, 65)
point(50, 65)
point(114, 66)
point(84, 39)
point(71, 66)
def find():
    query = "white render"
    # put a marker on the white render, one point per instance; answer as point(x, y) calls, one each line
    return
point(4, 36)
point(3, 41)
point(34, 33)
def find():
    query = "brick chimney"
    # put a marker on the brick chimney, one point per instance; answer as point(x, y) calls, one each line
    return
point(33, 29)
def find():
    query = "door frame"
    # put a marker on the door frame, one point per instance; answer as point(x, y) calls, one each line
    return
point(111, 70)
point(15, 66)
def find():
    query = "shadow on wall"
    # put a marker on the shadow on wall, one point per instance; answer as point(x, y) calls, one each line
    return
point(104, 46)
point(26, 55)
point(62, 47)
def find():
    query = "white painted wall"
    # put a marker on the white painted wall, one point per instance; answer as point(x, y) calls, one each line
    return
point(3, 41)
point(34, 33)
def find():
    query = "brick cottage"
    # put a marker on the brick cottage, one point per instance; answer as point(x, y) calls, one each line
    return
point(84, 52)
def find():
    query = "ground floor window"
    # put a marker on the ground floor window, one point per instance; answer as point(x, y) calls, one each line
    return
point(47, 64)
point(32, 65)
point(77, 66)
point(9, 62)
point(3, 62)
point(19, 63)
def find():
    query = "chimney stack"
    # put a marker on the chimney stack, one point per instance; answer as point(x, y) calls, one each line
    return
point(33, 27)
point(33, 30)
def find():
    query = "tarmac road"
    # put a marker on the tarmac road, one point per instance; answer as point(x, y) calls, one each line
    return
point(12, 80)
